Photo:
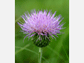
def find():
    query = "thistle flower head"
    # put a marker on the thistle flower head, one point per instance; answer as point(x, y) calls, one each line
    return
point(41, 25)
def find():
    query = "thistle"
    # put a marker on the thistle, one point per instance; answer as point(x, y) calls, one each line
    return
point(40, 26)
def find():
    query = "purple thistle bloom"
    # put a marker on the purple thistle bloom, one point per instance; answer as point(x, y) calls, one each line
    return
point(42, 23)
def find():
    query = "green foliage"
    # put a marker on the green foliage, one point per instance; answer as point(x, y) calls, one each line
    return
point(58, 50)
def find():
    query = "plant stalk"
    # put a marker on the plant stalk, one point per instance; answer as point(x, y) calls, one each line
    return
point(40, 54)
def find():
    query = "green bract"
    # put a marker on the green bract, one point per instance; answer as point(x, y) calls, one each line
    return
point(43, 41)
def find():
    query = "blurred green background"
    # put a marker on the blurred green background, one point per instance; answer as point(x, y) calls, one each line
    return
point(58, 50)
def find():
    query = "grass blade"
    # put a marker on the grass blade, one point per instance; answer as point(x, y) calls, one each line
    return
point(24, 48)
point(21, 48)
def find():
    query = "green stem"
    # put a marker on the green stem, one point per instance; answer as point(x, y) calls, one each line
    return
point(40, 55)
